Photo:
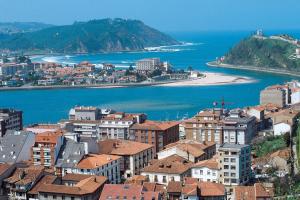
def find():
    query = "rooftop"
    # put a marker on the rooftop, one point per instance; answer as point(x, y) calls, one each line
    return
point(48, 137)
point(92, 161)
point(210, 163)
point(259, 190)
point(232, 146)
point(171, 165)
point(122, 147)
point(155, 125)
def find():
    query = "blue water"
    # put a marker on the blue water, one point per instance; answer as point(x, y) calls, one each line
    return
point(160, 103)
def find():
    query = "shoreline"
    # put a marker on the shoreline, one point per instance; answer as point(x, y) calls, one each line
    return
point(210, 79)
point(253, 68)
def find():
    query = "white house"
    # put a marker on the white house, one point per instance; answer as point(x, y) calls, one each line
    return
point(172, 168)
point(281, 128)
point(206, 170)
point(100, 165)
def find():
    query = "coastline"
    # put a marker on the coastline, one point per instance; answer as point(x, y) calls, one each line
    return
point(253, 68)
point(209, 79)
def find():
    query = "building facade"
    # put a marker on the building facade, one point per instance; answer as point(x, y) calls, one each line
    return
point(10, 120)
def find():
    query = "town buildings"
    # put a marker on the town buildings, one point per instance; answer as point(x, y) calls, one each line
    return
point(134, 155)
point(234, 164)
point(100, 165)
point(71, 186)
point(259, 191)
point(158, 134)
point(172, 168)
point(206, 170)
point(46, 148)
point(10, 120)
point(191, 150)
point(146, 66)
point(15, 146)
point(278, 95)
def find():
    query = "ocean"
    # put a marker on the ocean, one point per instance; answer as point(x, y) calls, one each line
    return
point(159, 103)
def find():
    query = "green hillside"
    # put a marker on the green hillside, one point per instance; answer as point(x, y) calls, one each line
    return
point(104, 35)
point(265, 53)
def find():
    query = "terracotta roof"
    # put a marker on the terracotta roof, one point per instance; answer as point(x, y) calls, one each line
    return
point(86, 186)
point(48, 137)
point(171, 165)
point(193, 147)
point(122, 147)
point(208, 189)
point(154, 125)
point(48, 179)
point(284, 153)
point(259, 190)
point(92, 161)
point(174, 187)
point(155, 187)
point(136, 179)
point(190, 190)
point(23, 176)
point(119, 191)
point(4, 167)
point(210, 163)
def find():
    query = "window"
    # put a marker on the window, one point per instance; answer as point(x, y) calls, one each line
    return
point(208, 172)
point(45, 195)
point(214, 173)
point(155, 178)
point(226, 159)
point(233, 180)
point(72, 198)
point(54, 196)
point(233, 174)
point(164, 179)
point(232, 160)
point(201, 172)
point(233, 167)
point(226, 173)
point(226, 166)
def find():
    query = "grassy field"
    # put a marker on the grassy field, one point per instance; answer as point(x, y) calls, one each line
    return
point(270, 145)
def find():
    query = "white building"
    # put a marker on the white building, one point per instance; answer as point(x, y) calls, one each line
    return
point(281, 128)
point(206, 170)
point(145, 66)
point(134, 155)
point(295, 96)
point(172, 168)
point(235, 164)
point(100, 165)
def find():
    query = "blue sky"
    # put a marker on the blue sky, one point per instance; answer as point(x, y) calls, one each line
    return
point(166, 15)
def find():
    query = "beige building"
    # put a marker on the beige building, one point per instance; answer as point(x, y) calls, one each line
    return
point(278, 95)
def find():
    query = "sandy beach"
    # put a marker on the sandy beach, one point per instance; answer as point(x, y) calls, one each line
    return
point(211, 78)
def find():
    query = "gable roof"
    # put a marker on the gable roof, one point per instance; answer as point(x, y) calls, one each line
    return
point(92, 161)
point(154, 125)
point(210, 163)
point(170, 165)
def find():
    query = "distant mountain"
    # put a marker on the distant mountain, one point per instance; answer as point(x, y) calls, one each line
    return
point(21, 27)
point(106, 35)
point(275, 52)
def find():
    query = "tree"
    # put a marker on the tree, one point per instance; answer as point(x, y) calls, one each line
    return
point(130, 68)
point(190, 68)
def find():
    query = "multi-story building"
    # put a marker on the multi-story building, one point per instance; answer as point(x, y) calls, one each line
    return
point(134, 155)
point(206, 126)
point(146, 66)
point(21, 181)
point(206, 170)
point(116, 125)
point(234, 164)
point(100, 165)
point(158, 134)
point(239, 128)
point(71, 186)
point(15, 146)
point(278, 95)
point(10, 69)
point(189, 149)
point(10, 120)
point(46, 148)
point(172, 168)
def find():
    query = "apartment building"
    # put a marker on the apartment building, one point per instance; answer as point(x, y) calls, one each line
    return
point(239, 128)
point(116, 125)
point(189, 149)
point(10, 120)
point(10, 69)
point(134, 155)
point(146, 66)
point(71, 186)
point(278, 95)
point(206, 126)
point(99, 165)
point(206, 170)
point(46, 148)
point(158, 134)
point(21, 181)
point(234, 164)
point(172, 168)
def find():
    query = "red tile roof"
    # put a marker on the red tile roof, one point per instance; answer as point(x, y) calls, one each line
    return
point(92, 161)
point(155, 125)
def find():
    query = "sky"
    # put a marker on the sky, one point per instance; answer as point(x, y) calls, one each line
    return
point(165, 15)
